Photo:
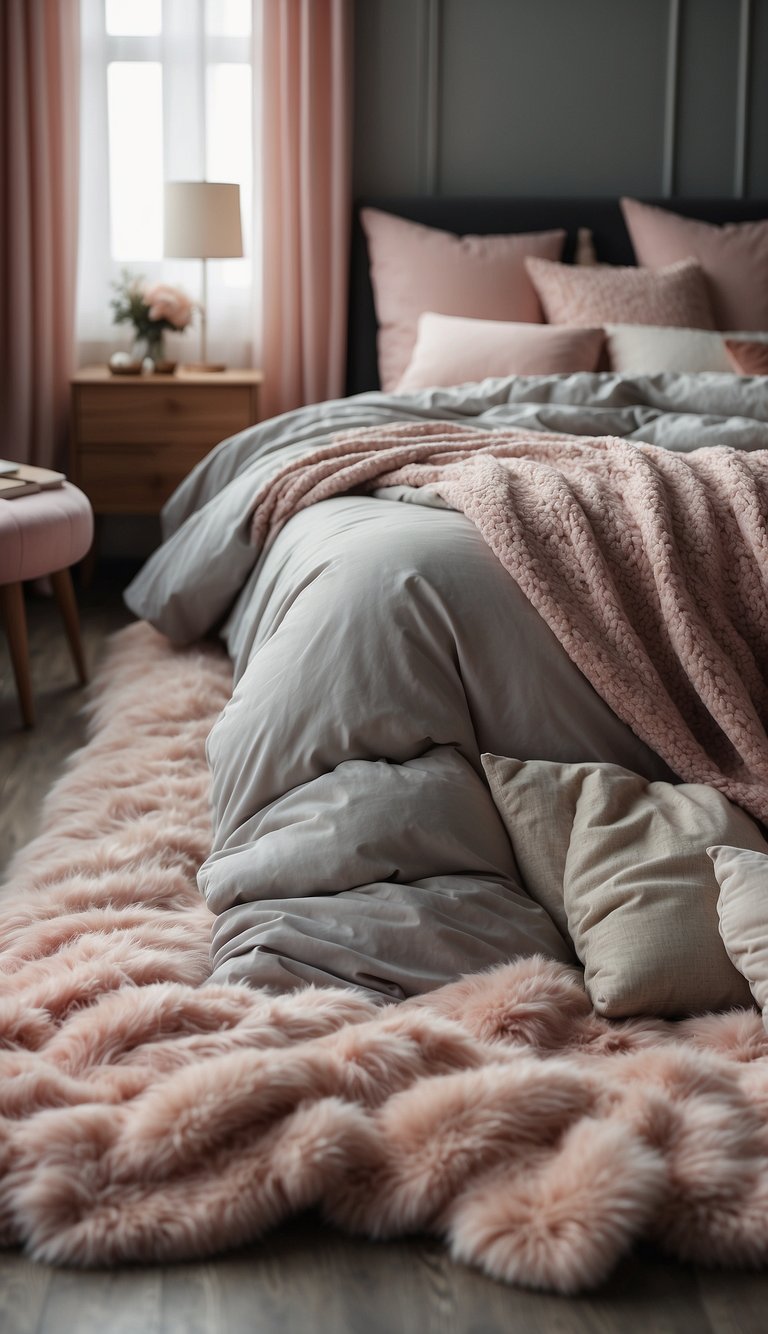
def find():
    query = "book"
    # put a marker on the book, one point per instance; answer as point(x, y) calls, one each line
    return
point(43, 478)
point(11, 487)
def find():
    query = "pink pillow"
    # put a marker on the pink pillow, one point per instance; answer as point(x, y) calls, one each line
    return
point(734, 258)
point(451, 350)
point(610, 294)
point(747, 358)
point(416, 269)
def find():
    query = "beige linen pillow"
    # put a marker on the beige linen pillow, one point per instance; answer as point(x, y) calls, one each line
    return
point(621, 865)
point(742, 907)
point(537, 802)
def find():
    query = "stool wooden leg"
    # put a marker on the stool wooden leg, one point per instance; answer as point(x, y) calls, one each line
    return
point(65, 599)
point(90, 559)
point(14, 615)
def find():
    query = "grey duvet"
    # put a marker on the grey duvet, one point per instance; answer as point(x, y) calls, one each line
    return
point(379, 649)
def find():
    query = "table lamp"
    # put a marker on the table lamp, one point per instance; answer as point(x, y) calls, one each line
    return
point(202, 221)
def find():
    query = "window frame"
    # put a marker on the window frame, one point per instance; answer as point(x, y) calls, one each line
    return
point(185, 50)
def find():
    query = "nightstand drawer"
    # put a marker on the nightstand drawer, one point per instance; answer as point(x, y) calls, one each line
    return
point(166, 414)
point(134, 439)
point(137, 479)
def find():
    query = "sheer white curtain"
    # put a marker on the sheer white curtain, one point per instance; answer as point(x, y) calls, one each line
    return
point(167, 93)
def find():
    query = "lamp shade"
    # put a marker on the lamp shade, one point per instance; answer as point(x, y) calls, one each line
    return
point(202, 220)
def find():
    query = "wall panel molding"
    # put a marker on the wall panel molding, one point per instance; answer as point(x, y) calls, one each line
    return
point(743, 82)
point(669, 148)
point(430, 130)
point(500, 97)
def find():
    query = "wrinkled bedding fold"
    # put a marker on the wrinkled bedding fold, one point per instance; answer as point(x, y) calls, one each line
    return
point(380, 657)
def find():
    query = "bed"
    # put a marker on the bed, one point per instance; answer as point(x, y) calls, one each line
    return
point(371, 639)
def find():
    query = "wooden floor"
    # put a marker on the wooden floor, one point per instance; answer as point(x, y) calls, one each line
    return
point(304, 1279)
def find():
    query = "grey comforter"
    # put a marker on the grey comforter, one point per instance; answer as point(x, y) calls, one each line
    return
point(379, 649)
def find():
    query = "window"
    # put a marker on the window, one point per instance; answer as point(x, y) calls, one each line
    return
point(167, 94)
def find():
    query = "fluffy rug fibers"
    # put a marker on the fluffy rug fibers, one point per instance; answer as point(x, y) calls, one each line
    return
point(146, 1115)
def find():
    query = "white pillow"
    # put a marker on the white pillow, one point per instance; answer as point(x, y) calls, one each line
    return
point(650, 349)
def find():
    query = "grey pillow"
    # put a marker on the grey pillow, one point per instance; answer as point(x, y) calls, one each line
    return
point(621, 864)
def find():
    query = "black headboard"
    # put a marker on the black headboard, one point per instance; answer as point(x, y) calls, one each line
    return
point(486, 216)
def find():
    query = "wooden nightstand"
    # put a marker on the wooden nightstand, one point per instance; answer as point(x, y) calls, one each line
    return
point(134, 438)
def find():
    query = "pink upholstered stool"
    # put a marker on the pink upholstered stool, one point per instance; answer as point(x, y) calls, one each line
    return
point(41, 534)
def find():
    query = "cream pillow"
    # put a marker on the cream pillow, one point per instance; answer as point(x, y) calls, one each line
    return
point(621, 865)
point(650, 349)
point(742, 907)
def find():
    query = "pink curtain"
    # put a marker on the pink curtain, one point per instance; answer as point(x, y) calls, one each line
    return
point(39, 75)
point(306, 183)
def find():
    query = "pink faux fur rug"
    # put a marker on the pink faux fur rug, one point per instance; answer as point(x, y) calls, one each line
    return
point(648, 566)
point(148, 1116)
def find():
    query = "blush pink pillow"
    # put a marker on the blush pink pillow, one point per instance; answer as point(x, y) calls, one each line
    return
point(611, 294)
point(747, 358)
point(734, 258)
point(416, 269)
point(451, 350)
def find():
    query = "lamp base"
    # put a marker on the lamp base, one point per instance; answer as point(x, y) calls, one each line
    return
point(204, 367)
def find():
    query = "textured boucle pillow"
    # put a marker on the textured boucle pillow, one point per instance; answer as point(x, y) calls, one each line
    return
point(416, 268)
point(621, 865)
point(611, 294)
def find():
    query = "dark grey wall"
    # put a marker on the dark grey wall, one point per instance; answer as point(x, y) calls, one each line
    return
point(558, 97)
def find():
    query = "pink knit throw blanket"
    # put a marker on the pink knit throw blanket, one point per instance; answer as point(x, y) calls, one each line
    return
point(650, 567)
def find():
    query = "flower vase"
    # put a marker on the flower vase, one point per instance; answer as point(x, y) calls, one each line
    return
point(150, 351)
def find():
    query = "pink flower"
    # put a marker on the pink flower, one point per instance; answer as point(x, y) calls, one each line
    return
point(170, 304)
